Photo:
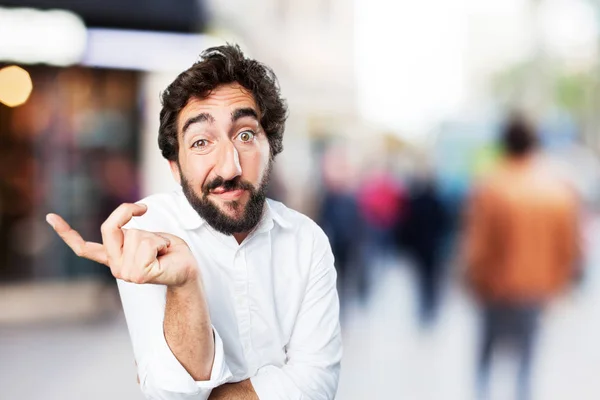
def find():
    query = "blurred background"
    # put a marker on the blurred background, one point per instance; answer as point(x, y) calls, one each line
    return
point(396, 111)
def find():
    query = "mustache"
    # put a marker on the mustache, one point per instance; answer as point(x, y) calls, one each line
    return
point(232, 184)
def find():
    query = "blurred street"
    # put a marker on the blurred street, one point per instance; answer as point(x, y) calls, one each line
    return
point(386, 358)
point(386, 355)
point(70, 361)
point(450, 151)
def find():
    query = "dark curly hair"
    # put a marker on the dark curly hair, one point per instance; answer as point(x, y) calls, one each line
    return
point(218, 66)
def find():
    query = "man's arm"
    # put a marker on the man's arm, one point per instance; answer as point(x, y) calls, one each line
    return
point(234, 391)
point(164, 373)
point(188, 329)
point(178, 354)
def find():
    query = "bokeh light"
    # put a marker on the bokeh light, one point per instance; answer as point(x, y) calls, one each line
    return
point(15, 86)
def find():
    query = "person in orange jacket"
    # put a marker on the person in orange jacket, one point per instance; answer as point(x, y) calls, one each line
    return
point(521, 247)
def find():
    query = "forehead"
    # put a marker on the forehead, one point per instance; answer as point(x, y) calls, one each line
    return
point(223, 99)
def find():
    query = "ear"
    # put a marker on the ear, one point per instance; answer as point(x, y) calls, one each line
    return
point(175, 171)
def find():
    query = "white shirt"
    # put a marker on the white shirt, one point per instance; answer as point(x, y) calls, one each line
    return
point(272, 299)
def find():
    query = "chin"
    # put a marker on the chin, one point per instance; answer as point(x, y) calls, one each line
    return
point(227, 205)
point(233, 209)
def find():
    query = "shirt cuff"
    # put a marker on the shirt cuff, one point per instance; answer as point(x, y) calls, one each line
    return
point(167, 374)
point(272, 383)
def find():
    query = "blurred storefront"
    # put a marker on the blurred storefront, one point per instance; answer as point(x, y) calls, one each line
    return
point(75, 146)
point(71, 149)
point(187, 16)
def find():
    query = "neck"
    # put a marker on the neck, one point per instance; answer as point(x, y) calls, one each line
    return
point(239, 237)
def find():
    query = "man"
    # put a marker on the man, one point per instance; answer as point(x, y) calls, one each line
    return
point(226, 294)
point(521, 247)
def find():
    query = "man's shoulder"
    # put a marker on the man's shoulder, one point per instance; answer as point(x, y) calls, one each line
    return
point(288, 216)
point(298, 222)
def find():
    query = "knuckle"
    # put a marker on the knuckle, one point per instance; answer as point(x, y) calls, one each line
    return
point(105, 227)
point(134, 277)
point(78, 251)
point(117, 274)
point(127, 276)
point(111, 262)
point(125, 206)
point(120, 211)
point(131, 234)
point(116, 270)
point(146, 244)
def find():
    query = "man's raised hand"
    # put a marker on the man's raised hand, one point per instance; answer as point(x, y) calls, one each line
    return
point(133, 255)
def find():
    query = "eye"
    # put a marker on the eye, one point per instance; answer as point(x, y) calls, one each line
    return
point(246, 136)
point(198, 144)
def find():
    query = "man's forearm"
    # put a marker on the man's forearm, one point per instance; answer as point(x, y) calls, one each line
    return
point(188, 328)
point(234, 391)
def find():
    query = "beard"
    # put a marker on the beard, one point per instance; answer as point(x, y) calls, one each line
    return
point(248, 218)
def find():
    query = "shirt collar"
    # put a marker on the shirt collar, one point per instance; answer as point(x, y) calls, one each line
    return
point(190, 220)
point(188, 217)
point(271, 215)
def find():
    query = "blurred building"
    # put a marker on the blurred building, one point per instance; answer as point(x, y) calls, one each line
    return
point(75, 146)
point(309, 46)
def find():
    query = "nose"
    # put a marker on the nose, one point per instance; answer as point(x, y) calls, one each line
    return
point(228, 164)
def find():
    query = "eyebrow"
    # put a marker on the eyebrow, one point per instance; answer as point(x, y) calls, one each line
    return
point(206, 117)
point(202, 117)
point(243, 112)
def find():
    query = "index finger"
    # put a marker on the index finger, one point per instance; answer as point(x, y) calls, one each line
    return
point(112, 235)
point(90, 250)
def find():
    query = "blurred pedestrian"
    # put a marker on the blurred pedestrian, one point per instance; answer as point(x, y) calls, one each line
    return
point(422, 232)
point(381, 200)
point(521, 248)
point(338, 216)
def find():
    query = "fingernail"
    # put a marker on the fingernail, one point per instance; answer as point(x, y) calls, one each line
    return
point(143, 205)
point(49, 220)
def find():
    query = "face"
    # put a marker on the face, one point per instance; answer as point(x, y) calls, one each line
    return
point(224, 158)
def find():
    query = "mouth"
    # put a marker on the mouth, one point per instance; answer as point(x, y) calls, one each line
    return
point(228, 194)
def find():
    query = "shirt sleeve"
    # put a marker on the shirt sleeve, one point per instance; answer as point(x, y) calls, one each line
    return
point(315, 349)
point(161, 375)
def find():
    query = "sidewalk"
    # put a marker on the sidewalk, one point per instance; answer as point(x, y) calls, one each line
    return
point(46, 302)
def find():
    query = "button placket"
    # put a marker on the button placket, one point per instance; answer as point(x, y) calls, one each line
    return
point(241, 298)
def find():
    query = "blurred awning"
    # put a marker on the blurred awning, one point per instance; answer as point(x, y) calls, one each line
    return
point(155, 15)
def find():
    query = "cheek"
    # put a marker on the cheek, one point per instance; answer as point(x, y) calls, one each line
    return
point(196, 170)
point(254, 164)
